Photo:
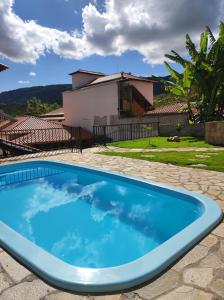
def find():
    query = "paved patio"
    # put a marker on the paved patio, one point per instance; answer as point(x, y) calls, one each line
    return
point(198, 275)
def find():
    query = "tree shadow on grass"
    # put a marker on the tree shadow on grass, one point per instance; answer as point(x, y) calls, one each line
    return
point(192, 139)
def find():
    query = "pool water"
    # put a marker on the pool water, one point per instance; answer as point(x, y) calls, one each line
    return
point(90, 220)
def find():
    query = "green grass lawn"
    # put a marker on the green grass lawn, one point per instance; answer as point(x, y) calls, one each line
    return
point(161, 142)
point(209, 160)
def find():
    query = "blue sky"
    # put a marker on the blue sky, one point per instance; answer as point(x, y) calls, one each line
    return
point(47, 39)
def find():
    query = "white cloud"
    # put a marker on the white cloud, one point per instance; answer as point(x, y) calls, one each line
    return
point(150, 27)
point(23, 81)
point(32, 73)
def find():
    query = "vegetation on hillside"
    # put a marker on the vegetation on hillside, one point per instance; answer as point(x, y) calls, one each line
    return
point(202, 82)
point(14, 102)
point(35, 107)
point(165, 99)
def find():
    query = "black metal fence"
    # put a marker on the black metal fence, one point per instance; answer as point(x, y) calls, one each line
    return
point(122, 132)
point(31, 141)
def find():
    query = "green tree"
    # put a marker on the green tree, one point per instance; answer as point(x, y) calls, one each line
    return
point(36, 108)
point(148, 129)
point(202, 82)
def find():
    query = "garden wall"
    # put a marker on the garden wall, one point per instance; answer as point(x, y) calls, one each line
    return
point(196, 130)
point(214, 132)
point(173, 118)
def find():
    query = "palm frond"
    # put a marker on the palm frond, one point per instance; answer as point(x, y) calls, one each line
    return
point(188, 77)
point(221, 31)
point(210, 35)
point(204, 43)
point(192, 49)
point(177, 58)
point(173, 72)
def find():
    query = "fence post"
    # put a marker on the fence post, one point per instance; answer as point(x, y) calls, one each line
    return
point(104, 135)
point(80, 138)
point(131, 131)
point(158, 129)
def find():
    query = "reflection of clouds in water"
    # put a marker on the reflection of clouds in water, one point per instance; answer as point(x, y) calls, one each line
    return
point(89, 254)
point(67, 244)
point(121, 190)
point(99, 214)
point(139, 211)
point(46, 197)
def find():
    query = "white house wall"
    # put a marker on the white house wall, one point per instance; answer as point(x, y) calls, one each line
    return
point(79, 79)
point(83, 105)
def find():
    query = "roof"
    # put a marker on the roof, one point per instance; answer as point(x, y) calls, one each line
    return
point(87, 72)
point(51, 135)
point(114, 77)
point(3, 67)
point(58, 111)
point(167, 109)
point(28, 122)
point(31, 135)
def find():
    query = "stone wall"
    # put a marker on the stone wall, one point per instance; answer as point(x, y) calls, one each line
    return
point(162, 119)
point(214, 132)
point(197, 130)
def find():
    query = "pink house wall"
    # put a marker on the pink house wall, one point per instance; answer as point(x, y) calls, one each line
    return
point(145, 88)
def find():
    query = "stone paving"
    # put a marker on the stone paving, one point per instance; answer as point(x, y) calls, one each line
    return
point(199, 275)
point(186, 149)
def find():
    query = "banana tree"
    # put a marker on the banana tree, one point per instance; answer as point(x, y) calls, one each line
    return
point(202, 81)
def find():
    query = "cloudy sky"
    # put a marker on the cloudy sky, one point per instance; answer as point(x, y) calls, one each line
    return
point(43, 40)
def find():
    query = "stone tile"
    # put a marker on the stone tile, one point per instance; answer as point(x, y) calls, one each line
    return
point(16, 271)
point(221, 249)
point(4, 282)
point(198, 276)
point(221, 204)
point(212, 261)
point(213, 192)
point(221, 196)
point(218, 287)
point(187, 293)
point(108, 297)
point(191, 257)
point(65, 296)
point(209, 241)
point(166, 282)
point(34, 290)
point(219, 231)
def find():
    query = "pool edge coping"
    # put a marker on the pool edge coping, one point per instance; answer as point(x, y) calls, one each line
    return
point(115, 278)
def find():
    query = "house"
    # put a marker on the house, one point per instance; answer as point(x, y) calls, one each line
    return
point(56, 115)
point(3, 67)
point(96, 98)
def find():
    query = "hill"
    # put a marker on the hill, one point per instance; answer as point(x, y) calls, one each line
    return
point(158, 86)
point(14, 102)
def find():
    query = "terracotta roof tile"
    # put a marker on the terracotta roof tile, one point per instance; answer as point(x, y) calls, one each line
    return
point(58, 111)
point(167, 109)
point(30, 122)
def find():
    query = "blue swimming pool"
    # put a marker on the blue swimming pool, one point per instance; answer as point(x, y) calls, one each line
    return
point(88, 230)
